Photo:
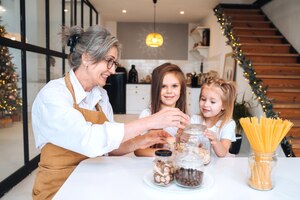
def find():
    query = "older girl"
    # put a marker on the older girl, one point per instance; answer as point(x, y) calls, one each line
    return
point(168, 90)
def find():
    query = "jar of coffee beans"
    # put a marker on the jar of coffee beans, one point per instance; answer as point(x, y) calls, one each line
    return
point(163, 170)
point(189, 164)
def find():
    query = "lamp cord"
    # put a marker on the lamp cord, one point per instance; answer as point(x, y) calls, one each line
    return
point(154, 16)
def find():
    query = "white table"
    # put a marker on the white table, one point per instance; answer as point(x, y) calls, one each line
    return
point(118, 178)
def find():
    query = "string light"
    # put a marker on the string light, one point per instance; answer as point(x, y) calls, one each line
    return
point(246, 64)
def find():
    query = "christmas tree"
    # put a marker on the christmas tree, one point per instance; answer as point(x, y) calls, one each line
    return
point(10, 100)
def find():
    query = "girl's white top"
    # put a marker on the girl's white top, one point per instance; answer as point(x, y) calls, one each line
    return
point(226, 132)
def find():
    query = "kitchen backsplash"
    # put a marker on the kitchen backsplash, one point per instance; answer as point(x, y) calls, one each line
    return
point(145, 67)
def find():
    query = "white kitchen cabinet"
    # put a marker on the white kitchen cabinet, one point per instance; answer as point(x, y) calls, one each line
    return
point(137, 97)
point(192, 100)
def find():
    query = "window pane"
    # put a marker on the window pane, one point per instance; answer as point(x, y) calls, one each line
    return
point(55, 24)
point(67, 13)
point(35, 22)
point(36, 79)
point(11, 125)
point(78, 14)
point(55, 67)
point(10, 18)
point(86, 16)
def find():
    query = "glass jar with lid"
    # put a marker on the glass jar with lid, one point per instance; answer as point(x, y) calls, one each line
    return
point(163, 170)
point(193, 135)
point(189, 163)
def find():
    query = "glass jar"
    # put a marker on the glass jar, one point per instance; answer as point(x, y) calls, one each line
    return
point(260, 170)
point(193, 135)
point(189, 165)
point(189, 168)
point(163, 170)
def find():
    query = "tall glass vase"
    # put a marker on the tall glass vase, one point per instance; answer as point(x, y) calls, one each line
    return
point(261, 170)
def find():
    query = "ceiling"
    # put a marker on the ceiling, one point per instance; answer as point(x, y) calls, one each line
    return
point(167, 11)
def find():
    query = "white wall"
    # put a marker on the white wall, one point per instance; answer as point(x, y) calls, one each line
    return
point(145, 67)
point(286, 17)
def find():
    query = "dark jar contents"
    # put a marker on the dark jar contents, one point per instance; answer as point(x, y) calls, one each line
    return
point(163, 170)
point(188, 177)
point(189, 163)
point(133, 75)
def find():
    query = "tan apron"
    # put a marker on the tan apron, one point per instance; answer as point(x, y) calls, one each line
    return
point(56, 163)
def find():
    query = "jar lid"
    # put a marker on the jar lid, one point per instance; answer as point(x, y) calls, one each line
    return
point(195, 129)
point(163, 152)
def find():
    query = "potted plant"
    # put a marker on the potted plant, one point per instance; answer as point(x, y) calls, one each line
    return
point(240, 110)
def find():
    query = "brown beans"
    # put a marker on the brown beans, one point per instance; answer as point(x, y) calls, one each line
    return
point(188, 177)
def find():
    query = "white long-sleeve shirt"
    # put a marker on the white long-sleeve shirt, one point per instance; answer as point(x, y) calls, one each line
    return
point(56, 121)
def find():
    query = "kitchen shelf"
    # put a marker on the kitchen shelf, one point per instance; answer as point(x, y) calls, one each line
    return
point(197, 33)
point(200, 49)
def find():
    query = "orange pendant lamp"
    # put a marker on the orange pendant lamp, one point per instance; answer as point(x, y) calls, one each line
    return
point(154, 39)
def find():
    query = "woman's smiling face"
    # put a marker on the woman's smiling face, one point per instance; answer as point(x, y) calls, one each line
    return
point(99, 72)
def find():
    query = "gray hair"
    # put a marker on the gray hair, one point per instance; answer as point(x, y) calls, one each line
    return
point(96, 41)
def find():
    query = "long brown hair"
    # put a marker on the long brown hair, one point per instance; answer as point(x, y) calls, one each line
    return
point(228, 96)
point(158, 75)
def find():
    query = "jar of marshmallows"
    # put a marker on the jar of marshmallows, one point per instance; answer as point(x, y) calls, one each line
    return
point(163, 169)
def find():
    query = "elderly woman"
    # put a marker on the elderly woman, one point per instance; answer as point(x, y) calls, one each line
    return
point(72, 118)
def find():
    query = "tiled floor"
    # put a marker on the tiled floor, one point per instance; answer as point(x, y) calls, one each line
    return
point(22, 191)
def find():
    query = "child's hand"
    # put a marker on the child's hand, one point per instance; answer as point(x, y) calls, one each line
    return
point(212, 136)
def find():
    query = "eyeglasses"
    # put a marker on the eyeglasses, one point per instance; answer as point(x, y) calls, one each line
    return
point(111, 63)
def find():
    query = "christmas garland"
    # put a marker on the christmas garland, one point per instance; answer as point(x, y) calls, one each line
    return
point(249, 73)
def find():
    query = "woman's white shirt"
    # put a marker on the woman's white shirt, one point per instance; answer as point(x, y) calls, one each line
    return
point(226, 132)
point(56, 121)
point(171, 130)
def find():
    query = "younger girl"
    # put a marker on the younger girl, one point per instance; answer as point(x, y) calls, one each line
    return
point(216, 107)
point(168, 89)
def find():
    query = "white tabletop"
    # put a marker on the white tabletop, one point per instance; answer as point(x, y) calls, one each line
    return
point(115, 178)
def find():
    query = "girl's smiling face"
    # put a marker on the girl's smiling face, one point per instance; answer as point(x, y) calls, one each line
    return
point(211, 102)
point(170, 91)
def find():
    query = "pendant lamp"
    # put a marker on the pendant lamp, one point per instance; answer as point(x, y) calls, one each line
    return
point(2, 9)
point(154, 39)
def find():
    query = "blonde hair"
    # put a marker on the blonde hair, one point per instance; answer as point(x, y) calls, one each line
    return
point(228, 96)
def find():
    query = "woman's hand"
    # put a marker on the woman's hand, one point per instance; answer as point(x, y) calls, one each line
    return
point(151, 138)
point(169, 117)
